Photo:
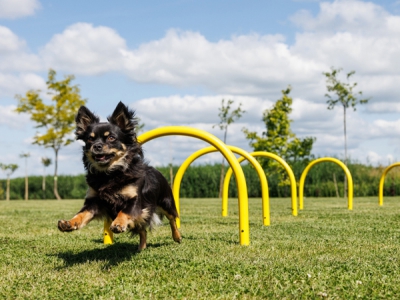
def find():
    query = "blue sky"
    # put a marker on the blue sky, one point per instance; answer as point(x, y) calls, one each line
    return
point(174, 61)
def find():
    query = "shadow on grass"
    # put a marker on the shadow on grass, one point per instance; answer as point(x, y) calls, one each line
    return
point(112, 255)
point(219, 237)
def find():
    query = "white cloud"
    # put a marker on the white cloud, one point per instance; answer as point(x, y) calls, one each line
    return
point(9, 42)
point(356, 35)
point(250, 64)
point(197, 112)
point(84, 49)
point(309, 119)
point(13, 9)
point(352, 50)
point(10, 85)
point(251, 69)
point(245, 64)
point(350, 33)
point(186, 110)
point(202, 113)
point(389, 129)
point(343, 15)
point(374, 158)
point(14, 55)
point(9, 118)
point(383, 107)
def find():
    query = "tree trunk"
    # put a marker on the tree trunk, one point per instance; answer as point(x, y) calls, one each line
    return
point(55, 175)
point(44, 185)
point(345, 150)
point(336, 187)
point(171, 170)
point(26, 188)
point(221, 178)
point(171, 175)
point(8, 189)
point(26, 179)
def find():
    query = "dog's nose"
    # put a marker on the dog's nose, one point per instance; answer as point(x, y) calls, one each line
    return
point(97, 147)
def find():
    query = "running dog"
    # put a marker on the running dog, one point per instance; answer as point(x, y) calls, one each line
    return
point(122, 186)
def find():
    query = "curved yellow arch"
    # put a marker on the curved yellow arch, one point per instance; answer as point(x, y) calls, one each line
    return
point(269, 155)
point(330, 159)
point(244, 231)
point(263, 179)
point(382, 181)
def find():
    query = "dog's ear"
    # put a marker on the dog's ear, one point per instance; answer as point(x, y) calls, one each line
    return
point(83, 119)
point(123, 117)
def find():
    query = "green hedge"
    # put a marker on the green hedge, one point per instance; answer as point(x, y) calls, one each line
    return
point(203, 181)
point(69, 187)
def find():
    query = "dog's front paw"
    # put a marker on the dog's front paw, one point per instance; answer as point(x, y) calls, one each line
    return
point(122, 223)
point(66, 226)
point(117, 228)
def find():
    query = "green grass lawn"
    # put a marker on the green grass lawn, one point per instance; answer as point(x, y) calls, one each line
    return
point(325, 252)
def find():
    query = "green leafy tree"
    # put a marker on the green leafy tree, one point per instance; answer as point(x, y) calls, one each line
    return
point(344, 95)
point(278, 137)
point(8, 169)
point(140, 126)
point(46, 162)
point(227, 117)
point(26, 156)
point(57, 118)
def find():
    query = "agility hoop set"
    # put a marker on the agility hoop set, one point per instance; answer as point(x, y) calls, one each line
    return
point(235, 168)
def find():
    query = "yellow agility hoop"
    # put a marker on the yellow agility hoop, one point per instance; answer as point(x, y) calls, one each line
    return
point(107, 233)
point(382, 181)
point(329, 159)
point(245, 155)
point(244, 231)
point(268, 155)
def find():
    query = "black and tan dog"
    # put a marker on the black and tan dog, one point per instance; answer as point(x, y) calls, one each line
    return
point(122, 186)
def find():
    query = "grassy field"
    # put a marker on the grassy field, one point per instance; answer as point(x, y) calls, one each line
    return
point(325, 252)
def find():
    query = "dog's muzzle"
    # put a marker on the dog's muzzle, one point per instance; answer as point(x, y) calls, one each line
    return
point(99, 155)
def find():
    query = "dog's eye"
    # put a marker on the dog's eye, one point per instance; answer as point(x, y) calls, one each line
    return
point(110, 138)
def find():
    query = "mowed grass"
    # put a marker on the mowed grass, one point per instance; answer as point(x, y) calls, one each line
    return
point(325, 252)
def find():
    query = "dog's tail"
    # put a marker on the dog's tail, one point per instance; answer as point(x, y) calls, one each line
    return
point(156, 220)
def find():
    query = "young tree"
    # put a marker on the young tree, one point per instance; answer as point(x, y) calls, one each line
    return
point(140, 126)
point(46, 162)
point(26, 155)
point(345, 96)
point(278, 137)
point(9, 169)
point(57, 118)
point(138, 129)
point(227, 117)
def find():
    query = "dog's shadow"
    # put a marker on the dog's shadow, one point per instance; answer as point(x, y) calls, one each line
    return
point(112, 255)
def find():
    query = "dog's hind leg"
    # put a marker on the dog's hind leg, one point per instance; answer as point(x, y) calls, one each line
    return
point(172, 223)
point(143, 239)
